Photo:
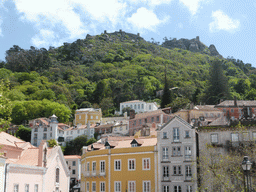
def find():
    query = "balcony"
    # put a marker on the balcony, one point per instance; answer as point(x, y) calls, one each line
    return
point(166, 178)
point(188, 158)
point(188, 178)
point(95, 174)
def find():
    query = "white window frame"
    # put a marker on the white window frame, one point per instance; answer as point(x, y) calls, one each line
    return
point(115, 165)
point(91, 117)
point(188, 171)
point(147, 161)
point(134, 166)
point(187, 134)
point(87, 186)
point(117, 186)
point(234, 137)
point(16, 187)
point(178, 188)
point(102, 183)
point(214, 138)
point(36, 187)
point(88, 166)
point(102, 162)
point(189, 188)
point(97, 117)
point(188, 151)
point(79, 116)
point(94, 185)
point(26, 187)
point(166, 188)
point(94, 168)
point(166, 171)
point(129, 186)
point(176, 134)
point(165, 155)
point(146, 186)
point(165, 135)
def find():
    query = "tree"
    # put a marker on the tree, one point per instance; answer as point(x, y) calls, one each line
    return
point(166, 97)
point(217, 87)
point(74, 147)
point(5, 108)
point(179, 103)
point(107, 106)
point(52, 143)
point(241, 87)
point(24, 133)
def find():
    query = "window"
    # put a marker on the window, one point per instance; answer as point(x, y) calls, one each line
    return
point(16, 188)
point(51, 128)
point(45, 129)
point(188, 151)
point(146, 120)
point(117, 186)
point(149, 107)
point(189, 188)
point(146, 186)
point(152, 119)
point(177, 170)
point(138, 106)
point(165, 171)
point(36, 188)
point(234, 137)
point(164, 135)
point(165, 153)
point(134, 145)
point(177, 188)
point(246, 136)
point(176, 135)
point(57, 175)
point(135, 123)
point(135, 106)
point(140, 121)
point(91, 117)
point(26, 187)
point(146, 164)
point(131, 186)
point(73, 171)
point(166, 188)
point(71, 132)
point(142, 106)
point(50, 134)
point(224, 110)
point(79, 116)
point(157, 118)
point(45, 136)
point(176, 151)
point(74, 163)
point(94, 166)
point(102, 187)
point(36, 130)
point(87, 186)
point(187, 134)
point(97, 117)
point(232, 110)
point(121, 128)
point(78, 131)
point(214, 138)
point(117, 165)
point(102, 166)
point(131, 164)
point(94, 186)
point(188, 173)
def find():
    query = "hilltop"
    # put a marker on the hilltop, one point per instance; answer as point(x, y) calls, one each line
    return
point(106, 69)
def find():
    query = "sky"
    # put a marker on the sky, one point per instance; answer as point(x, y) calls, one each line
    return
point(228, 24)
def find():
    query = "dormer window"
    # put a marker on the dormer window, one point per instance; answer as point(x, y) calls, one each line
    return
point(134, 143)
point(107, 145)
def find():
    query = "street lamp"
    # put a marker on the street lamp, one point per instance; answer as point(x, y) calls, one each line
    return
point(246, 165)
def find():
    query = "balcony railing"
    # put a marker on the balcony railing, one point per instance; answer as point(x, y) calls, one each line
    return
point(188, 178)
point(166, 178)
point(95, 174)
point(188, 158)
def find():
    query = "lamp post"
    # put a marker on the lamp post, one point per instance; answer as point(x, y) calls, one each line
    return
point(246, 165)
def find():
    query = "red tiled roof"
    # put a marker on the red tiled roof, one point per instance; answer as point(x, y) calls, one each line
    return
point(72, 157)
point(240, 103)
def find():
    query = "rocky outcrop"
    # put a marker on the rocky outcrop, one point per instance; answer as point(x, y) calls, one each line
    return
point(194, 45)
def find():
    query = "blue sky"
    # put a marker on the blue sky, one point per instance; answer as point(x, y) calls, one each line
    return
point(229, 25)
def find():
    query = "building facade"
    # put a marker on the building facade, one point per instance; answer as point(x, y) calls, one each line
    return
point(127, 165)
point(176, 145)
point(74, 166)
point(87, 115)
point(138, 106)
point(2, 173)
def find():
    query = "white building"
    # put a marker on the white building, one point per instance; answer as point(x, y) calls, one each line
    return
point(74, 166)
point(50, 128)
point(176, 143)
point(138, 106)
point(2, 173)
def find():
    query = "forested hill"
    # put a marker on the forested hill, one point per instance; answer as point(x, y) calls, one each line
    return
point(104, 70)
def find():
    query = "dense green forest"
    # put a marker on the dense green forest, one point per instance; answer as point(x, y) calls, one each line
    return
point(104, 70)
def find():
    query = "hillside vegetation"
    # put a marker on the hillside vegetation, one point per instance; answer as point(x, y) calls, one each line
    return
point(104, 70)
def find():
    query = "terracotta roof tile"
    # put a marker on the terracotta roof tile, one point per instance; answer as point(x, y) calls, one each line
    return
point(240, 103)
point(72, 157)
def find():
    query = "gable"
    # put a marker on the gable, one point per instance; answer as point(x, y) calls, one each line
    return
point(176, 121)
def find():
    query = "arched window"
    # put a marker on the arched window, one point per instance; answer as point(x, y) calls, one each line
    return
point(57, 175)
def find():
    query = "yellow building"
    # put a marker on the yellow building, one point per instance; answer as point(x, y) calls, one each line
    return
point(126, 165)
point(85, 115)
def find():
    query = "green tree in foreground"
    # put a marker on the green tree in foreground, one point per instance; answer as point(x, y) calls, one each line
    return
point(166, 97)
point(24, 133)
point(52, 143)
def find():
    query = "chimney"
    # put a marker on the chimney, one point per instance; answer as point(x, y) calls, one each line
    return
point(235, 101)
point(132, 114)
point(41, 155)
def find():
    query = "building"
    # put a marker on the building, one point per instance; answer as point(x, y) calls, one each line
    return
point(120, 164)
point(158, 117)
point(74, 166)
point(2, 173)
point(85, 115)
point(138, 106)
point(205, 113)
point(176, 146)
point(46, 129)
point(234, 108)
point(30, 168)
point(78, 130)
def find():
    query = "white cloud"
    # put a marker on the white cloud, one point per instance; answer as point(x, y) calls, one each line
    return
point(151, 2)
point(223, 22)
point(145, 19)
point(192, 5)
point(44, 37)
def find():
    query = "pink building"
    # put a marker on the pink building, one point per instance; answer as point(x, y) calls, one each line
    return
point(29, 168)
